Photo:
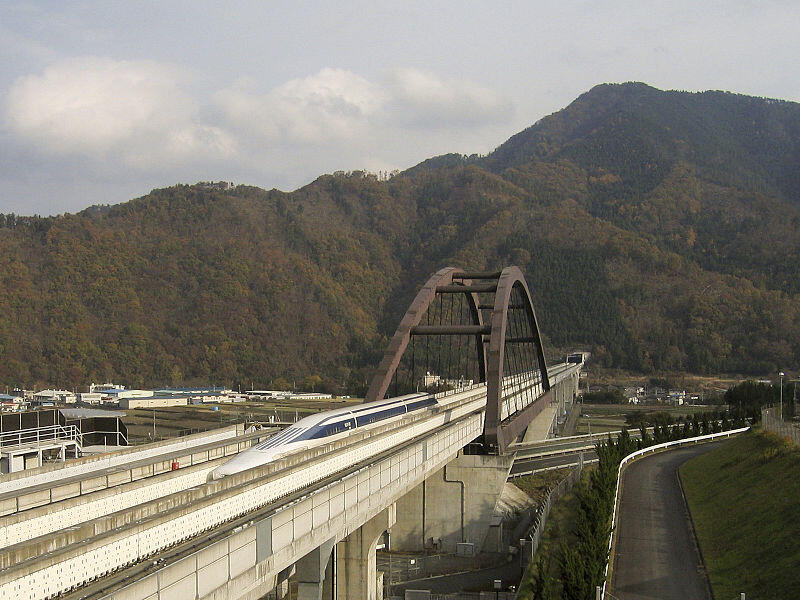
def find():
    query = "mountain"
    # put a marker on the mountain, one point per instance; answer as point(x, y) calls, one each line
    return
point(658, 229)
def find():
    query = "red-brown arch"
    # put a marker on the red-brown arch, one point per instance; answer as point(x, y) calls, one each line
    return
point(424, 298)
point(497, 434)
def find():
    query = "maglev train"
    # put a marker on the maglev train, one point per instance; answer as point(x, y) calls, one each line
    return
point(322, 428)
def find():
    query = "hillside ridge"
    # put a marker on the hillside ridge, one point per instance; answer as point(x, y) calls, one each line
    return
point(657, 229)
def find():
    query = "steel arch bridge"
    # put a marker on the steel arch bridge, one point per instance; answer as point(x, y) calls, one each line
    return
point(472, 327)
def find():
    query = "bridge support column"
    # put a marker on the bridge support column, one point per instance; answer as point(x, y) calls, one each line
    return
point(356, 562)
point(312, 573)
point(454, 505)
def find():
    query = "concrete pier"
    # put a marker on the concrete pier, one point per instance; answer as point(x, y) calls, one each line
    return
point(452, 507)
point(313, 573)
point(357, 564)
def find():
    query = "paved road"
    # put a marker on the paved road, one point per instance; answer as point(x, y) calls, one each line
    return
point(509, 574)
point(533, 465)
point(656, 557)
point(572, 420)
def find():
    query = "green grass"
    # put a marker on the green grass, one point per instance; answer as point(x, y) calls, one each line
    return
point(744, 498)
point(538, 484)
point(558, 530)
point(600, 424)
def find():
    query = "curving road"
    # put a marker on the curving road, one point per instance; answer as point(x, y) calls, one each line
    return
point(656, 556)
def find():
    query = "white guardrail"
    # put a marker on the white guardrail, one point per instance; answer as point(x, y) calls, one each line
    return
point(638, 454)
point(39, 435)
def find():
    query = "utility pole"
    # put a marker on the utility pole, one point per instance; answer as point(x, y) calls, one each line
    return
point(781, 374)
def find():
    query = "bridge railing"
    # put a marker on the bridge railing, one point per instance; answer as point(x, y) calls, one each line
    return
point(36, 436)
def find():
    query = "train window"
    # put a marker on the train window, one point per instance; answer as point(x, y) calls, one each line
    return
point(380, 415)
point(330, 429)
point(416, 405)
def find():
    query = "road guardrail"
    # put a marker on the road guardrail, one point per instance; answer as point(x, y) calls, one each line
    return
point(638, 454)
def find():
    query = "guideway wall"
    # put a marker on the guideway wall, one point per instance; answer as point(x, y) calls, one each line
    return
point(258, 554)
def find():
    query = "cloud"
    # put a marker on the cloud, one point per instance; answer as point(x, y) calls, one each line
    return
point(331, 104)
point(140, 112)
point(99, 106)
point(425, 100)
point(336, 104)
point(93, 120)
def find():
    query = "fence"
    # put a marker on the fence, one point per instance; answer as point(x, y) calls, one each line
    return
point(399, 568)
point(425, 595)
point(532, 533)
point(771, 422)
point(475, 596)
point(40, 435)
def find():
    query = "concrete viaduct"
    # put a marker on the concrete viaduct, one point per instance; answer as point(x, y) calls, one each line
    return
point(470, 340)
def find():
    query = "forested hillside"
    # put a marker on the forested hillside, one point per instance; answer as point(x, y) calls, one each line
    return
point(661, 230)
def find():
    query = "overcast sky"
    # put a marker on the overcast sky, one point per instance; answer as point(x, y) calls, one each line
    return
point(100, 102)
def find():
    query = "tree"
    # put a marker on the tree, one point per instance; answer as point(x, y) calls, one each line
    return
point(311, 382)
point(281, 383)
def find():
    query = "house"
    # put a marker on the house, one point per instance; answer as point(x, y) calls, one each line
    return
point(676, 397)
point(51, 397)
point(11, 403)
point(634, 395)
point(91, 397)
point(116, 395)
point(152, 402)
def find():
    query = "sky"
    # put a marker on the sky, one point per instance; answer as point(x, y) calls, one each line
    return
point(101, 102)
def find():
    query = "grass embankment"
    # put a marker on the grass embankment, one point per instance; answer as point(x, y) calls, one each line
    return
point(538, 486)
point(743, 498)
point(557, 531)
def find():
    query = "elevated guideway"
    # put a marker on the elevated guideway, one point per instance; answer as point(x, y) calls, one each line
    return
point(55, 483)
point(126, 486)
point(294, 496)
point(558, 453)
point(567, 445)
point(58, 472)
point(319, 511)
point(393, 459)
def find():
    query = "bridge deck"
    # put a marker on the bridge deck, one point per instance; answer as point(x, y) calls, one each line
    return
point(64, 559)
point(119, 468)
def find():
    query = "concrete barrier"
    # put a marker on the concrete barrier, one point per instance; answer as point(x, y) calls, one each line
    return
point(115, 476)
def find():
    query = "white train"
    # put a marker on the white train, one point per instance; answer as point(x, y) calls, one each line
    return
point(322, 428)
point(332, 425)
